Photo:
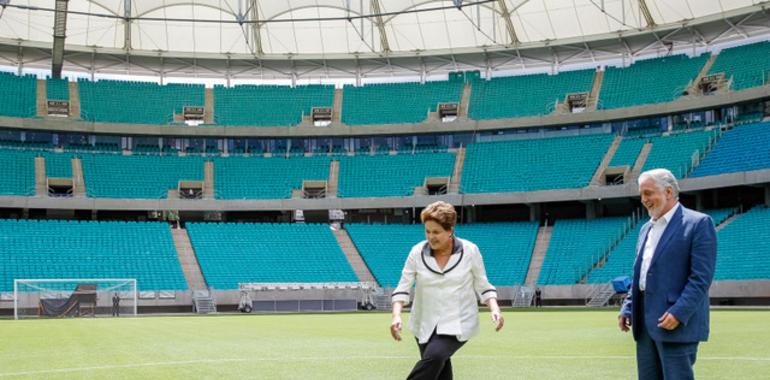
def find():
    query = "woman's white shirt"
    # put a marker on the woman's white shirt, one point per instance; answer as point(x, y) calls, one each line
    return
point(444, 300)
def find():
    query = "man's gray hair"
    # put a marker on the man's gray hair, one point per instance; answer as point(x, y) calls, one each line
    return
point(663, 178)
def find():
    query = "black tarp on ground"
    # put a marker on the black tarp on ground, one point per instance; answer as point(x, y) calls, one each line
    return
point(59, 307)
point(84, 294)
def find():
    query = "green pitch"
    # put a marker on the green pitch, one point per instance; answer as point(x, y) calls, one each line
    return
point(533, 345)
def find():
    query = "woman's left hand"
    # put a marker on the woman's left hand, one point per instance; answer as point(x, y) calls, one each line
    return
point(497, 319)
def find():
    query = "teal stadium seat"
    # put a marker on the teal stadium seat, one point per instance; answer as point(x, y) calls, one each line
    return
point(19, 95)
point(742, 148)
point(57, 89)
point(233, 253)
point(390, 176)
point(748, 65)
point(32, 249)
point(620, 262)
point(675, 152)
point(137, 176)
point(576, 244)
point(390, 103)
point(649, 81)
point(530, 165)
point(744, 247)
point(268, 106)
point(505, 247)
point(57, 165)
point(720, 215)
point(17, 172)
point(115, 101)
point(265, 178)
point(628, 152)
point(526, 95)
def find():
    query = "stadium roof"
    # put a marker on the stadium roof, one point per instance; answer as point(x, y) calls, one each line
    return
point(368, 29)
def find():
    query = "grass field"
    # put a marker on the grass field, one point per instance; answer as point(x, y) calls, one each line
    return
point(533, 345)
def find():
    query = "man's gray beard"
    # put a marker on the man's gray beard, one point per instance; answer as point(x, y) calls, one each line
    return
point(650, 212)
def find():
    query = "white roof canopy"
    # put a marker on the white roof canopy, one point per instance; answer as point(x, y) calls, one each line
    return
point(336, 27)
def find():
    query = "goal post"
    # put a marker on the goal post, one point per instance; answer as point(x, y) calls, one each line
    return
point(74, 297)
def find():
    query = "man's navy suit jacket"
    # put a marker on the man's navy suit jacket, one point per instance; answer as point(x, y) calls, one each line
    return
point(678, 279)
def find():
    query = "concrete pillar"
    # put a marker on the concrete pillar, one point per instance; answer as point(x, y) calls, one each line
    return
point(534, 212)
point(591, 209)
point(767, 195)
point(699, 201)
point(470, 214)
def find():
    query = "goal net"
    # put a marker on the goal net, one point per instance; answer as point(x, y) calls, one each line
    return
point(74, 297)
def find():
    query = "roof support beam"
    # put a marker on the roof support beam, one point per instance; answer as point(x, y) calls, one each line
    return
point(59, 35)
point(645, 10)
point(20, 61)
point(256, 32)
point(506, 15)
point(384, 45)
point(126, 25)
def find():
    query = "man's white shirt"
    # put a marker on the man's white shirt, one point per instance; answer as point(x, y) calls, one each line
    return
point(653, 238)
point(444, 300)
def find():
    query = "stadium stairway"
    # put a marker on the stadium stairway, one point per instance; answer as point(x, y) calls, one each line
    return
point(42, 104)
point(208, 180)
point(465, 100)
point(694, 89)
point(41, 183)
point(542, 241)
point(601, 295)
point(639, 163)
point(593, 97)
point(457, 172)
point(78, 181)
point(332, 184)
point(187, 259)
point(337, 105)
point(208, 105)
point(598, 177)
point(74, 100)
point(353, 256)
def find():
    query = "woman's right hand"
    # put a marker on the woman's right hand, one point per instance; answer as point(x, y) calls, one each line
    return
point(395, 327)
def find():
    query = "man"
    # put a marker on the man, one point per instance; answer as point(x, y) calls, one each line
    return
point(538, 297)
point(116, 305)
point(668, 306)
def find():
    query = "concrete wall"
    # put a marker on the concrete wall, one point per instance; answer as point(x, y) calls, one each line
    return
point(755, 292)
point(756, 177)
point(719, 289)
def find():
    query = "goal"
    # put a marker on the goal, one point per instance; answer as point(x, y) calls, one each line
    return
point(74, 297)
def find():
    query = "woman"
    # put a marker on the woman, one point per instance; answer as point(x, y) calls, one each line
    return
point(447, 273)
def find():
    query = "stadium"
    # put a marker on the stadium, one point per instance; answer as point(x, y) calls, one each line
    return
point(230, 188)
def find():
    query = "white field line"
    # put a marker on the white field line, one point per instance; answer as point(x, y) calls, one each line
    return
point(357, 357)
